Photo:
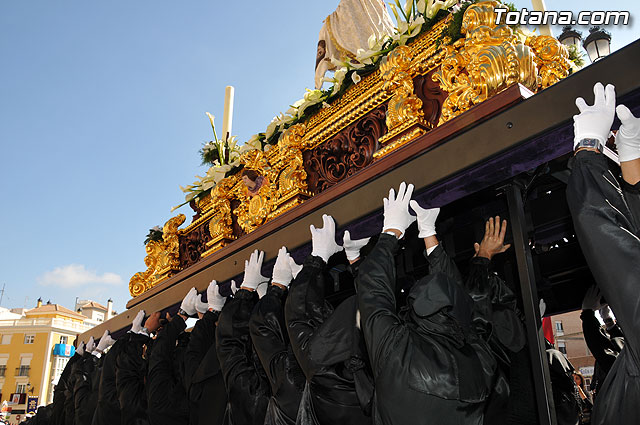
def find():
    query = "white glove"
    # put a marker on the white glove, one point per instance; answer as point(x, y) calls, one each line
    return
point(426, 219)
point(201, 306)
point(105, 342)
point(591, 300)
point(136, 325)
point(323, 240)
point(80, 349)
point(628, 136)
point(557, 356)
point(189, 302)
point(396, 210)
point(594, 122)
point(91, 345)
point(282, 272)
point(234, 287)
point(262, 289)
point(215, 300)
point(252, 267)
point(352, 247)
point(295, 268)
point(543, 307)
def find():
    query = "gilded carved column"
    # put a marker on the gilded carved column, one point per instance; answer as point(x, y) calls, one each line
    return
point(405, 118)
point(221, 223)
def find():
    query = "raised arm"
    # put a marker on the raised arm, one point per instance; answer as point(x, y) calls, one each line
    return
point(306, 308)
point(604, 225)
point(201, 358)
point(233, 342)
point(377, 279)
point(267, 326)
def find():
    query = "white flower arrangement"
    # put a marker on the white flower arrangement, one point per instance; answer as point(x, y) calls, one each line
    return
point(227, 157)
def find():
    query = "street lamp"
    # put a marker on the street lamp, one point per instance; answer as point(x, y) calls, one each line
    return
point(570, 36)
point(597, 44)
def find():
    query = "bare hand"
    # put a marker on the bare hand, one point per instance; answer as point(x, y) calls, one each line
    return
point(153, 322)
point(493, 241)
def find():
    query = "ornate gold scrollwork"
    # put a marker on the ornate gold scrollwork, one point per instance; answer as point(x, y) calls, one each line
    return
point(221, 223)
point(551, 57)
point(162, 258)
point(284, 185)
point(404, 111)
point(489, 59)
point(292, 177)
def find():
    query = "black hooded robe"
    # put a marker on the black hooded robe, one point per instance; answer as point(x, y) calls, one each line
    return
point(246, 382)
point(203, 376)
point(271, 341)
point(430, 366)
point(330, 350)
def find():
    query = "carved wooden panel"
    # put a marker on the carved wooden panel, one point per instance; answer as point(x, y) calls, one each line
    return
point(193, 244)
point(346, 153)
point(432, 97)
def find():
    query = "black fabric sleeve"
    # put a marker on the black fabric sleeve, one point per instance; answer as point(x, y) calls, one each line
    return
point(82, 391)
point(203, 338)
point(234, 343)
point(608, 238)
point(160, 380)
point(269, 334)
point(130, 376)
point(306, 310)
point(440, 262)
point(376, 300)
point(598, 343)
point(495, 302)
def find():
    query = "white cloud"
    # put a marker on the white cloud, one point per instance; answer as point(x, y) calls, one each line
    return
point(76, 275)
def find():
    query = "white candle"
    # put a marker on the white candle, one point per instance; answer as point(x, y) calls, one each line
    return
point(544, 29)
point(228, 112)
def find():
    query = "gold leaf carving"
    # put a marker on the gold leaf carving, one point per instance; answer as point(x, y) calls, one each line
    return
point(488, 60)
point(162, 258)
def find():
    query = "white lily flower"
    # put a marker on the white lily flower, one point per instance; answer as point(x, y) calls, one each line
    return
point(252, 144)
point(314, 96)
point(291, 111)
point(395, 12)
point(355, 78)
point(207, 184)
point(298, 103)
point(338, 63)
point(189, 197)
point(367, 56)
point(408, 7)
point(271, 128)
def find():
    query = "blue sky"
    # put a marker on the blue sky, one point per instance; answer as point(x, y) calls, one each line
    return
point(102, 113)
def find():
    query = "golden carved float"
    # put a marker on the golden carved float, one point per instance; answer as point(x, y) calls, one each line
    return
point(485, 61)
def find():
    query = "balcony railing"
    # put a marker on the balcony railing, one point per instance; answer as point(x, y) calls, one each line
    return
point(23, 371)
point(65, 324)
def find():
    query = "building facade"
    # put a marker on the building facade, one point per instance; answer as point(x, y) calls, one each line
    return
point(35, 346)
point(569, 339)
